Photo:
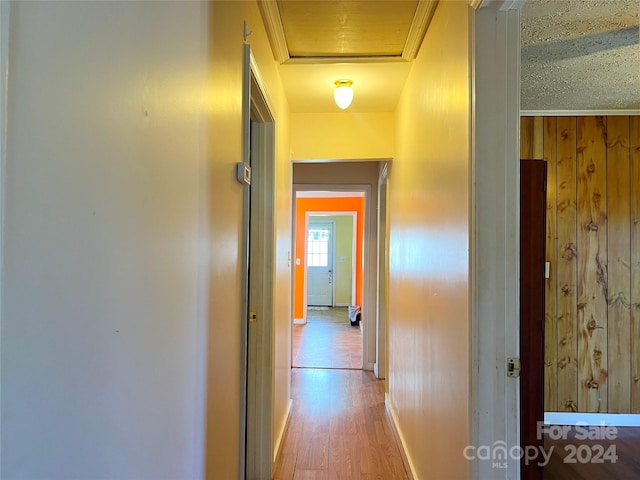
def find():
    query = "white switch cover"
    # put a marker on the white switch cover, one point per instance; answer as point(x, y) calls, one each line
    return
point(297, 261)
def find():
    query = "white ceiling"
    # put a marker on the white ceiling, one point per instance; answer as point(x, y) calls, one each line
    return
point(576, 55)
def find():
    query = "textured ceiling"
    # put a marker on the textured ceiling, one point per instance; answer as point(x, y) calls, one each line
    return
point(580, 55)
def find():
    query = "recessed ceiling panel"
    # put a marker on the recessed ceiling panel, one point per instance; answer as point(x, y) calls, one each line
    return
point(367, 28)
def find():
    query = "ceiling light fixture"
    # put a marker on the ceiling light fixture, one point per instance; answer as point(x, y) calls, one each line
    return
point(343, 94)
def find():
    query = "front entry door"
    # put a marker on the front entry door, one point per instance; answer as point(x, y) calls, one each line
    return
point(320, 264)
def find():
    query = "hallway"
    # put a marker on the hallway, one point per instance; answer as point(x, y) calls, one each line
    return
point(327, 340)
point(339, 428)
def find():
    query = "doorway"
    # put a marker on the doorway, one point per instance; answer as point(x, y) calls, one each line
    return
point(327, 338)
point(328, 278)
point(341, 182)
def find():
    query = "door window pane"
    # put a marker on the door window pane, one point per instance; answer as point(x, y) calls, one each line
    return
point(318, 247)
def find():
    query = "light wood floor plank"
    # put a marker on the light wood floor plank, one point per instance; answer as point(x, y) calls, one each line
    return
point(339, 429)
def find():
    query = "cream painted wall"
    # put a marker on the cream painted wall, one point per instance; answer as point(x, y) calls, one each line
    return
point(101, 318)
point(344, 174)
point(343, 274)
point(428, 376)
point(124, 126)
point(342, 135)
point(226, 45)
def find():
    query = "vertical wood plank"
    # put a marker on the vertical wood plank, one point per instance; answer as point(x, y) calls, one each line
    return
point(619, 259)
point(567, 265)
point(592, 264)
point(634, 128)
point(551, 249)
point(531, 137)
point(538, 138)
point(526, 137)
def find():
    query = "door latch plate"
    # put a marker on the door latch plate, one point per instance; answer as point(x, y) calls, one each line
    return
point(513, 367)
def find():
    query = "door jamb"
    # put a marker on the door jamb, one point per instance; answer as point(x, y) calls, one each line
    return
point(381, 366)
point(354, 234)
point(259, 455)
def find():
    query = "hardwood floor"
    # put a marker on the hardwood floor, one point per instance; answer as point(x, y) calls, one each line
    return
point(327, 340)
point(626, 467)
point(339, 428)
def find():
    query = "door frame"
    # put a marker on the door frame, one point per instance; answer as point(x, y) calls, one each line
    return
point(307, 225)
point(257, 454)
point(494, 185)
point(369, 337)
point(354, 217)
point(381, 366)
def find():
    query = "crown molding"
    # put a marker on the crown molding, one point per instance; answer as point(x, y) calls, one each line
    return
point(419, 26)
point(275, 31)
point(500, 5)
point(577, 113)
point(342, 60)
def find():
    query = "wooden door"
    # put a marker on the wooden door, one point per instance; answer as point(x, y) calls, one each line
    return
point(533, 204)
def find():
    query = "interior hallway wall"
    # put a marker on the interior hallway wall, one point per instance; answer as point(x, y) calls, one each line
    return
point(122, 234)
point(429, 276)
point(101, 316)
point(343, 135)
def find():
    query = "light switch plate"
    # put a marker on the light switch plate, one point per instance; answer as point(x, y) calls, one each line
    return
point(243, 173)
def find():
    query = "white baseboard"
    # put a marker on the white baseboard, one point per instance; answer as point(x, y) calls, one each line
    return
point(397, 431)
point(342, 305)
point(282, 433)
point(369, 366)
point(595, 419)
point(299, 321)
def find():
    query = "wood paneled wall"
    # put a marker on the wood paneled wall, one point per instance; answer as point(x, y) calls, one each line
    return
point(592, 311)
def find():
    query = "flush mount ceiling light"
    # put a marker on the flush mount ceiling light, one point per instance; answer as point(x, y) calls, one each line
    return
point(343, 94)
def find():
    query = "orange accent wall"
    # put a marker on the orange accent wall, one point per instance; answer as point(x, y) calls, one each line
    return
point(305, 205)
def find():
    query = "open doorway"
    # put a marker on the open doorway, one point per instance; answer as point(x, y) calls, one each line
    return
point(344, 182)
point(590, 396)
point(328, 337)
point(328, 279)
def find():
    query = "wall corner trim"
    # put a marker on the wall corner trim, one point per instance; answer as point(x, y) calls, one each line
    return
point(397, 432)
point(578, 113)
point(500, 5)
